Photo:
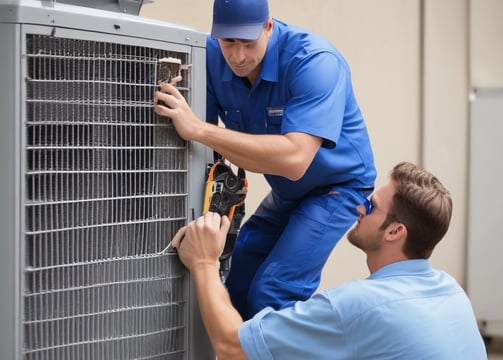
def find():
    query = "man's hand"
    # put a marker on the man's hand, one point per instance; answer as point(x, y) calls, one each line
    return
point(202, 240)
point(170, 103)
point(199, 246)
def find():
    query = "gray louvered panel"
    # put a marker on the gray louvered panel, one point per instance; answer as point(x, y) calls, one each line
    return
point(106, 189)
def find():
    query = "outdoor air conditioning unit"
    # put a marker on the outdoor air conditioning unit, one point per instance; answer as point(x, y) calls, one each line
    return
point(93, 185)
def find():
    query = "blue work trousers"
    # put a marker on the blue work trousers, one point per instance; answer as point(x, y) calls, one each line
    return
point(282, 248)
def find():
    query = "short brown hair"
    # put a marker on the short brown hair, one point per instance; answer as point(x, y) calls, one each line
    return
point(423, 205)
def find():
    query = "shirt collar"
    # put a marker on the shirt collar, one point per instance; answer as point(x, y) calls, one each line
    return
point(270, 64)
point(227, 73)
point(406, 267)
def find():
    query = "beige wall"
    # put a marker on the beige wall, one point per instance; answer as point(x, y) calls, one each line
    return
point(413, 63)
point(445, 117)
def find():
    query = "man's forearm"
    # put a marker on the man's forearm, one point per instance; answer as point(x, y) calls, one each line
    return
point(221, 319)
point(285, 155)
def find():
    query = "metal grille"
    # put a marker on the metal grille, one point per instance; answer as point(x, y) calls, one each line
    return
point(105, 190)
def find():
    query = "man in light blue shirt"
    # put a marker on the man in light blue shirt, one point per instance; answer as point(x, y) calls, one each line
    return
point(286, 99)
point(404, 310)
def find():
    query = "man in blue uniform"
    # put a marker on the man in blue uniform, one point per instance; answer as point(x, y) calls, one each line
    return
point(286, 99)
point(404, 310)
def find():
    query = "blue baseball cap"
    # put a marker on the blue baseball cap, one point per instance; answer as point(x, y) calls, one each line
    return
point(239, 19)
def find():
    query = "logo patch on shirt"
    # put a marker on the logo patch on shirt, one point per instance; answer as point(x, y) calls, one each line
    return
point(275, 110)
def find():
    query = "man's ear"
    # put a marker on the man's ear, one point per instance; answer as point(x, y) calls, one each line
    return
point(396, 231)
point(269, 24)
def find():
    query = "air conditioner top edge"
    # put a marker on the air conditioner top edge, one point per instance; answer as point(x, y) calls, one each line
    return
point(37, 12)
point(123, 6)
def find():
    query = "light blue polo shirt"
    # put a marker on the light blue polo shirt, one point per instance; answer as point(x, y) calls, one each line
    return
point(405, 310)
point(304, 86)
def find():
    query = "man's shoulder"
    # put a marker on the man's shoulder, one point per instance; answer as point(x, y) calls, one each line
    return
point(300, 43)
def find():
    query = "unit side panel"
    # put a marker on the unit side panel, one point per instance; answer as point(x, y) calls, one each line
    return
point(200, 156)
point(9, 191)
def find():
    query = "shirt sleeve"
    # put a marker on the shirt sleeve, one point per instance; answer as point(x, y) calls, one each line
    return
point(307, 330)
point(319, 96)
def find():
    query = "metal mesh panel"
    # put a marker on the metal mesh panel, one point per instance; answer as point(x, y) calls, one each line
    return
point(105, 190)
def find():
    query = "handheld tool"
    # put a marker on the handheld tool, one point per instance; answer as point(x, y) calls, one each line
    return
point(225, 194)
